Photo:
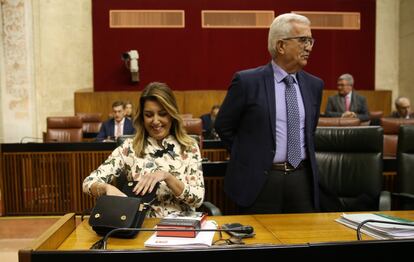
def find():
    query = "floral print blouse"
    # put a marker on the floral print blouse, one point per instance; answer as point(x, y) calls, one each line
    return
point(184, 165)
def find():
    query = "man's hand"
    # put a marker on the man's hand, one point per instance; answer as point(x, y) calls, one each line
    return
point(349, 114)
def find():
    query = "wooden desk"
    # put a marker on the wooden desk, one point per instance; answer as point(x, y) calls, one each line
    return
point(280, 235)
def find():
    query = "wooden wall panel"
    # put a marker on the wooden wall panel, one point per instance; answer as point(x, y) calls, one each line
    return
point(198, 102)
point(379, 100)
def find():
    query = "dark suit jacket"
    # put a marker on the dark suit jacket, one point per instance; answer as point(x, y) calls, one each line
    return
point(336, 106)
point(107, 129)
point(207, 123)
point(395, 114)
point(246, 124)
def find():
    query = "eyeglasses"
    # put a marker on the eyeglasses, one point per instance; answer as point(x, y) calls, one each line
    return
point(303, 40)
point(228, 241)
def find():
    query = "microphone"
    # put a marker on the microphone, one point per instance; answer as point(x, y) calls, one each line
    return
point(358, 230)
point(102, 243)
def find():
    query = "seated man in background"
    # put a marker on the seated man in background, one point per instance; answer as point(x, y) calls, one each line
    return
point(117, 126)
point(347, 103)
point(208, 122)
point(402, 106)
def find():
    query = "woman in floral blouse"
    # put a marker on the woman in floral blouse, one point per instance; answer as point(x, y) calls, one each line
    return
point(161, 151)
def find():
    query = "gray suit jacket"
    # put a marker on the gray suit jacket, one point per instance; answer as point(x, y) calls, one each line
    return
point(336, 106)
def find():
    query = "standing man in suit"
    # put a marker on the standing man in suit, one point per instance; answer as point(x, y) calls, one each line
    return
point(266, 173)
point(117, 126)
point(347, 103)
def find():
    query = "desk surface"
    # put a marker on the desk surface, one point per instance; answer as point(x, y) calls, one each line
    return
point(282, 229)
point(282, 236)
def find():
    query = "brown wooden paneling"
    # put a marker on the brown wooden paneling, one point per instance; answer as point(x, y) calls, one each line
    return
point(87, 101)
point(195, 102)
point(198, 102)
point(379, 100)
point(215, 154)
point(48, 182)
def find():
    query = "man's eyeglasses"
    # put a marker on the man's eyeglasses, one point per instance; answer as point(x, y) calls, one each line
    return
point(303, 40)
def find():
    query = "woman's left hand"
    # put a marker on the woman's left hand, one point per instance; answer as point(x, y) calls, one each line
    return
point(148, 181)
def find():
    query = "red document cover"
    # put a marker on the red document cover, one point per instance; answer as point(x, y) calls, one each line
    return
point(185, 220)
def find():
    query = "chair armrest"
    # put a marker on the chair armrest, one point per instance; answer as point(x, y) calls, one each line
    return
point(407, 196)
point(210, 209)
point(385, 201)
point(404, 201)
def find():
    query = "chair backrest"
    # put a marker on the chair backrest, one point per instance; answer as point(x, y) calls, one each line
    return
point(120, 139)
point(391, 128)
point(194, 127)
point(350, 167)
point(405, 164)
point(186, 116)
point(64, 129)
point(375, 117)
point(91, 122)
point(338, 121)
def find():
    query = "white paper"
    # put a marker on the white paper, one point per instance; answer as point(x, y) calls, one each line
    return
point(378, 230)
point(203, 239)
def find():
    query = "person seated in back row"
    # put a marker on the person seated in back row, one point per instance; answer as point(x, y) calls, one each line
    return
point(129, 110)
point(347, 103)
point(208, 122)
point(117, 126)
point(402, 106)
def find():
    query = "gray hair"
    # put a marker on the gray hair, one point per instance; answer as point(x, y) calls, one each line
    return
point(281, 27)
point(398, 100)
point(347, 77)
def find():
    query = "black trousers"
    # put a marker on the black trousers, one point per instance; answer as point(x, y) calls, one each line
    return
point(284, 193)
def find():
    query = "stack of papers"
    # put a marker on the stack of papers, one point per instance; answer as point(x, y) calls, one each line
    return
point(379, 230)
point(203, 239)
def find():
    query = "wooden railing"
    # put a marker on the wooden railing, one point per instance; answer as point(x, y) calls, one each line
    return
point(50, 183)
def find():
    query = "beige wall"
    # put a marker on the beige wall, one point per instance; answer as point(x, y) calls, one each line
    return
point(387, 45)
point(61, 47)
point(406, 62)
point(62, 55)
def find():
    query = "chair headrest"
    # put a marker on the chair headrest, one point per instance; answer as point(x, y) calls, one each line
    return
point(338, 121)
point(193, 126)
point(64, 122)
point(392, 125)
point(90, 117)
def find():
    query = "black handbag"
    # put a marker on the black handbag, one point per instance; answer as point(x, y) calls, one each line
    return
point(112, 212)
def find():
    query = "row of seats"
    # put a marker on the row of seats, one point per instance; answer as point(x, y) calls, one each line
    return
point(73, 128)
point(351, 169)
point(390, 125)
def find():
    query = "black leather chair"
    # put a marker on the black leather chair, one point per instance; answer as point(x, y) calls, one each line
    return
point(206, 207)
point(350, 168)
point(404, 197)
